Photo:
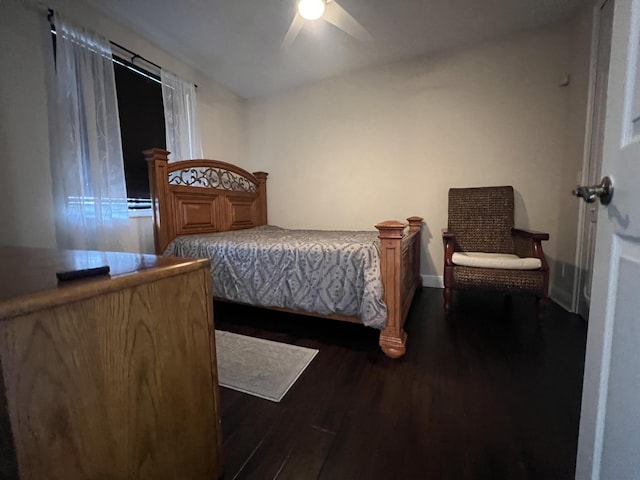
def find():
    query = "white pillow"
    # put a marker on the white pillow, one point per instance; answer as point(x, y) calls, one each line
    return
point(495, 260)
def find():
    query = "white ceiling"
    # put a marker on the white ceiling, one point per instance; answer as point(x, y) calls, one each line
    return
point(237, 42)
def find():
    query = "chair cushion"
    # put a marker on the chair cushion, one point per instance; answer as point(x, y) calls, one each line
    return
point(504, 261)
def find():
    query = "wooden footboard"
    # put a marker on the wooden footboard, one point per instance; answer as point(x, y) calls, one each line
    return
point(204, 196)
point(400, 268)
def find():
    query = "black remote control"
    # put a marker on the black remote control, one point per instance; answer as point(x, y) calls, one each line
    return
point(83, 273)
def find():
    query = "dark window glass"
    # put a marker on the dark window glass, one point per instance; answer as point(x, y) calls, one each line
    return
point(141, 124)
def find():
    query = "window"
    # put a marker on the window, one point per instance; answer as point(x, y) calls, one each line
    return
point(141, 126)
point(141, 113)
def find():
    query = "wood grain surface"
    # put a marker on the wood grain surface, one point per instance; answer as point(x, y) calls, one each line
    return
point(120, 385)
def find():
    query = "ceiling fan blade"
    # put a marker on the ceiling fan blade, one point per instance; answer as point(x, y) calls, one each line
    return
point(338, 16)
point(292, 33)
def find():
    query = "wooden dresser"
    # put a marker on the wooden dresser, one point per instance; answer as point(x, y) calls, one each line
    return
point(110, 377)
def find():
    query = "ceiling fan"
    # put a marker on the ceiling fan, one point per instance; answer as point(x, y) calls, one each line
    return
point(328, 10)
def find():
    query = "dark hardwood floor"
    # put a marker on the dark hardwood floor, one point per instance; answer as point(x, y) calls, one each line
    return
point(488, 393)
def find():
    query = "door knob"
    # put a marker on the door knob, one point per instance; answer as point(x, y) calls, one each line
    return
point(604, 192)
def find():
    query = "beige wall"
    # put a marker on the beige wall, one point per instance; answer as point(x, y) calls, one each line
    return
point(25, 210)
point(565, 273)
point(26, 215)
point(388, 142)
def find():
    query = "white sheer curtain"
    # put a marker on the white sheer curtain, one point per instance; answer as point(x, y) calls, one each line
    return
point(86, 153)
point(180, 117)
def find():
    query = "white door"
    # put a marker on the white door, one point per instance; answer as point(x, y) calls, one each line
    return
point(609, 441)
point(593, 169)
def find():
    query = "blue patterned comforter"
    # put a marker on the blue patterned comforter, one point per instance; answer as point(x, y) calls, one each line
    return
point(324, 272)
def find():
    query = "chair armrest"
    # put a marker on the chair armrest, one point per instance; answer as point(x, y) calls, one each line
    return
point(449, 239)
point(528, 243)
point(533, 235)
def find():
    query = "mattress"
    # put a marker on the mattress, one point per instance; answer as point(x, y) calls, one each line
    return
point(318, 271)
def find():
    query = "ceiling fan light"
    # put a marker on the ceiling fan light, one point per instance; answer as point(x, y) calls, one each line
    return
point(311, 9)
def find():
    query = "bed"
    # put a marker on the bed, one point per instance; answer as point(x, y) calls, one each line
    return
point(214, 209)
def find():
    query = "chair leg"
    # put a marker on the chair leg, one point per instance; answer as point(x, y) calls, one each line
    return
point(543, 302)
point(447, 299)
point(541, 305)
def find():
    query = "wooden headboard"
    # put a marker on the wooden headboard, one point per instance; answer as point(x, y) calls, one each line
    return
point(202, 196)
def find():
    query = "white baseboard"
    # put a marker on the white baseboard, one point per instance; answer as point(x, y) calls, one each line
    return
point(562, 297)
point(433, 281)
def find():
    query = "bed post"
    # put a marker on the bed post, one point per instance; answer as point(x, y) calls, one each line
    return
point(262, 197)
point(157, 159)
point(393, 338)
point(415, 225)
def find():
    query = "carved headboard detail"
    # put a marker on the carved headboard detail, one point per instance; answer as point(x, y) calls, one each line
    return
point(202, 196)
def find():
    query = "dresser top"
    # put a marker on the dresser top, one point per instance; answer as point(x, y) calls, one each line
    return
point(28, 275)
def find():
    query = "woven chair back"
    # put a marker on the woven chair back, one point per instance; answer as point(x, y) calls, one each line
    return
point(482, 218)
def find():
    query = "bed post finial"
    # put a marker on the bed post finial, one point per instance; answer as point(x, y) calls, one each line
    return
point(156, 154)
point(415, 224)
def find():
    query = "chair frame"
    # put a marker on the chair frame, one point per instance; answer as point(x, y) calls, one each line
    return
point(527, 243)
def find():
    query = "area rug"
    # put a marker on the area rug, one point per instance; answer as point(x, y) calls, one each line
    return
point(259, 367)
